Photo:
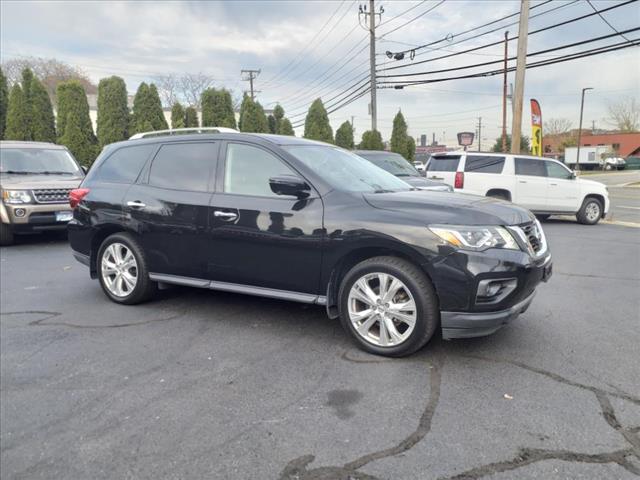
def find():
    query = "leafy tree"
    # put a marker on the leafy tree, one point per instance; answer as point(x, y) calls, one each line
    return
point(286, 128)
point(371, 140)
point(217, 108)
point(316, 124)
point(43, 124)
point(113, 111)
point(399, 136)
point(191, 117)
point(4, 103)
point(411, 148)
point(76, 140)
point(278, 114)
point(17, 119)
point(252, 117)
point(177, 116)
point(525, 147)
point(344, 136)
point(271, 121)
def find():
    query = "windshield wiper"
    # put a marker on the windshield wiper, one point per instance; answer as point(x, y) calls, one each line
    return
point(55, 172)
point(18, 172)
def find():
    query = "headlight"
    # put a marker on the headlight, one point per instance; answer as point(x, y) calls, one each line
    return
point(16, 196)
point(475, 238)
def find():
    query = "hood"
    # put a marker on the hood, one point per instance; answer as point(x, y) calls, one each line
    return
point(451, 208)
point(422, 182)
point(33, 182)
point(583, 182)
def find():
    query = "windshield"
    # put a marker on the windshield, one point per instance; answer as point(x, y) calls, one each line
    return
point(392, 163)
point(37, 161)
point(346, 171)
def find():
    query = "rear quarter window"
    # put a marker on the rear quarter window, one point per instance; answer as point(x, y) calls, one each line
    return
point(443, 164)
point(124, 165)
point(484, 164)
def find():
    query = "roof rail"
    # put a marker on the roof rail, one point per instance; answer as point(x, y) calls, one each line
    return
point(182, 131)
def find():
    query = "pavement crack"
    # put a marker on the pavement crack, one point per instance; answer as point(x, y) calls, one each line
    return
point(49, 315)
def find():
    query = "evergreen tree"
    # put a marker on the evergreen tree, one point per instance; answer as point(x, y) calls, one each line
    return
point(217, 108)
point(286, 128)
point(525, 147)
point(76, 140)
point(399, 137)
point(43, 124)
point(113, 111)
point(17, 120)
point(252, 117)
point(27, 80)
point(4, 103)
point(271, 121)
point(244, 106)
point(158, 120)
point(411, 149)
point(344, 136)
point(316, 124)
point(278, 114)
point(177, 116)
point(147, 110)
point(191, 118)
point(371, 140)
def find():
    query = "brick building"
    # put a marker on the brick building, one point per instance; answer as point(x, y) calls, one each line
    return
point(623, 144)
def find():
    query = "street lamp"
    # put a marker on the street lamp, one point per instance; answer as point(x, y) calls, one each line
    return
point(580, 128)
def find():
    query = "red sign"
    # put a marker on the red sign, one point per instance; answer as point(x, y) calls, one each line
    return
point(465, 138)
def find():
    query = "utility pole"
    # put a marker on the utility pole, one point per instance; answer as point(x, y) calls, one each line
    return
point(479, 134)
point(250, 76)
point(504, 95)
point(371, 16)
point(521, 65)
point(580, 128)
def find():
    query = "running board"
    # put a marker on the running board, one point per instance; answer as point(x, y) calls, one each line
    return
point(238, 288)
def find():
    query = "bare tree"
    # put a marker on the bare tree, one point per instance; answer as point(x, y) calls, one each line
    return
point(557, 126)
point(186, 88)
point(168, 88)
point(624, 115)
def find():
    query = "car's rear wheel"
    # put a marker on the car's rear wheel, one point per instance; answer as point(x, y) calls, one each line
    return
point(122, 270)
point(590, 212)
point(388, 306)
point(6, 234)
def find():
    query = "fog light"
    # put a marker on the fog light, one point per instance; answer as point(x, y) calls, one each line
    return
point(19, 212)
point(495, 290)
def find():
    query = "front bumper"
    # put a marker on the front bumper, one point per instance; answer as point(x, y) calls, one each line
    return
point(36, 218)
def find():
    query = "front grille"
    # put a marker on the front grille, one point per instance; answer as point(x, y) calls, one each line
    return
point(52, 195)
point(532, 232)
point(531, 237)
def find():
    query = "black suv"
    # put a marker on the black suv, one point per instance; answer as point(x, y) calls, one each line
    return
point(300, 220)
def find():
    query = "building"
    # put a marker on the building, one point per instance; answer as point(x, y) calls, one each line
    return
point(622, 144)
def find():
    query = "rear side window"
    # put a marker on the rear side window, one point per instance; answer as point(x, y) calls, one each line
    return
point(484, 164)
point(183, 166)
point(531, 167)
point(124, 165)
point(443, 164)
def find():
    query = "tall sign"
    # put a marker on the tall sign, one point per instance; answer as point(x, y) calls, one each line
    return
point(536, 128)
point(465, 139)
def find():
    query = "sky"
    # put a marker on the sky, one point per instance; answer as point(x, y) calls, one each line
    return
point(309, 49)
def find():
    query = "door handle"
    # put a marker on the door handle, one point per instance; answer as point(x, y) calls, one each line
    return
point(136, 204)
point(554, 184)
point(226, 216)
point(522, 181)
point(436, 178)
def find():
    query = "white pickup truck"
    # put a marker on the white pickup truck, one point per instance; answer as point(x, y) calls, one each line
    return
point(544, 186)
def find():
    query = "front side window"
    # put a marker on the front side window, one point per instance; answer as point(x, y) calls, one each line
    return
point(447, 163)
point(248, 170)
point(555, 170)
point(37, 161)
point(531, 167)
point(183, 166)
point(484, 164)
point(124, 165)
point(346, 171)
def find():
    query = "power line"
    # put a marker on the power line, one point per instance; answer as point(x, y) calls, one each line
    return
point(605, 21)
point(430, 9)
point(403, 13)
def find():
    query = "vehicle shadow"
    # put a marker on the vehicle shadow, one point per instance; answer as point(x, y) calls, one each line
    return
point(57, 237)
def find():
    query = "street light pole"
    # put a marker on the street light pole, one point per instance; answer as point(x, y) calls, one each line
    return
point(580, 128)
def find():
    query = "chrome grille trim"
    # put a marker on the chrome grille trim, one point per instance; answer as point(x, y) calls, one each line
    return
point(532, 237)
point(51, 195)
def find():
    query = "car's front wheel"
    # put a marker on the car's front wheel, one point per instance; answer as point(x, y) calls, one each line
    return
point(590, 212)
point(388, 306)
point(122, 270)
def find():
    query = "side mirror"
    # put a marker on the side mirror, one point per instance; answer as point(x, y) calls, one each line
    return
point(572, 176)
point(289, 185)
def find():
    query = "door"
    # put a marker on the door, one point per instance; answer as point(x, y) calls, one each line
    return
point(442, 168)
point(531, 183)
point(260, 238)
point(563, 190)
point(169, 207)
point(483, 173)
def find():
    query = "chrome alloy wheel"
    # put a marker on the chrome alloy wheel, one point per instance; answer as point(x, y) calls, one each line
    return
point(382, 309)
point(592, 211)
point(119, 270)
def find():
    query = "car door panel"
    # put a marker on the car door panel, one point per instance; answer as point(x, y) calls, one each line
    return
point(531, 184)
point(564, 191)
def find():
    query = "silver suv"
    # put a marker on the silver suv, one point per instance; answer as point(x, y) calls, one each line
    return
point(35, 181)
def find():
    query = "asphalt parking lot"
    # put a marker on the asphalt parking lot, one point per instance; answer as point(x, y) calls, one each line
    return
point(200, 384)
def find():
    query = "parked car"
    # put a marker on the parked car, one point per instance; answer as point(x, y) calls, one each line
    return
point(419, 166)
point(615, 163)
point(35, 181)
point(289, 218)
point(544, 186)
point(397, 165)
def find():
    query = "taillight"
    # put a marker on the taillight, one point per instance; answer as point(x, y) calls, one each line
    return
point(76, 196)
point(459, 182)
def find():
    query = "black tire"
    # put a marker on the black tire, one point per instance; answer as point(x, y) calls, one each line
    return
point(6, 234)
point(420, 287)
point(585, 215)
point(542, 218)
point(144, 288)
